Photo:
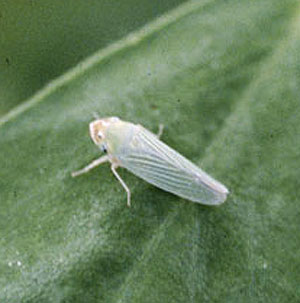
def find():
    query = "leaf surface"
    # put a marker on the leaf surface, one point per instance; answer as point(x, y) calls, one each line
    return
point(223, 77)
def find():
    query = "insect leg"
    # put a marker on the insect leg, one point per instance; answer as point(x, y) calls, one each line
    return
point(90, 166)
point(113, 168)
point(160, 130)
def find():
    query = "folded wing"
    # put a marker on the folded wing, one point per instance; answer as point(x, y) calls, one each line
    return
point(152, 160)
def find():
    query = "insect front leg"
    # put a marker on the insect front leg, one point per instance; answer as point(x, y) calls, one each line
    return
point(113, 168)
point(90, 166)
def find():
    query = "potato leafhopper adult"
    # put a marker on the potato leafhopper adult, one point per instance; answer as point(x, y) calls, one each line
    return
point(141, 152)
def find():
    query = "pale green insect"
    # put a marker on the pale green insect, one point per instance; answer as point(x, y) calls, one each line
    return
point(141, 152)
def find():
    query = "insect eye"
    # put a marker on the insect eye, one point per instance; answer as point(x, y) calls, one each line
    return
point(100, 135)
point(103, 148)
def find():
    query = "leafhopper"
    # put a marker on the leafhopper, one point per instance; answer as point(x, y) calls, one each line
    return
point(141, 152)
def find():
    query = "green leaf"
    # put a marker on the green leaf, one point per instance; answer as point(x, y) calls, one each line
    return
point(223, 77)
point(40, 40)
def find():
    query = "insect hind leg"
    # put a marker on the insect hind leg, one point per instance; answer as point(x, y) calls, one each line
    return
point(160, 130)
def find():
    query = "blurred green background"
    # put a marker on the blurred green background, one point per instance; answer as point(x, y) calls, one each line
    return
point(40, 40)
point(224, 79)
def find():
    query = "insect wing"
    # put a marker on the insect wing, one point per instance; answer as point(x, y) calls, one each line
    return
point(152, 160)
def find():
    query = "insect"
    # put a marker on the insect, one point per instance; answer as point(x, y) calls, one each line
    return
point(140, 151)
